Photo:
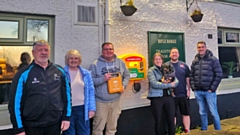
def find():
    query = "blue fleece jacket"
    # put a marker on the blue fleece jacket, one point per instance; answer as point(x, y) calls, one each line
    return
point(89, 95)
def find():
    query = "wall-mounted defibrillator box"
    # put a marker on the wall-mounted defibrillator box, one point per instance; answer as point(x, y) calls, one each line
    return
point(136, 64)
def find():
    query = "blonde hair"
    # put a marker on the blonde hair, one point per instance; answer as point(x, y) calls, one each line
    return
point(73, 53)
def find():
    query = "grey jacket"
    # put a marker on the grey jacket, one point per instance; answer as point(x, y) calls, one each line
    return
point(100, 67)
point(156, 87)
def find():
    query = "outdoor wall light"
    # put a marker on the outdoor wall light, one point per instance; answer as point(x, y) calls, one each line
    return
point(128, 9)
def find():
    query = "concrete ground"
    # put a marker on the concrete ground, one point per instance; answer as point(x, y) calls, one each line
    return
point(229, 127)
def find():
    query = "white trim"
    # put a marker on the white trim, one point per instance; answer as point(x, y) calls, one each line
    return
point(75, 12)
point(6, 127)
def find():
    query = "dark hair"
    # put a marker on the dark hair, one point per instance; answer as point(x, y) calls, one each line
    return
point(106, 43)
point(202, 42)
point(173, 48)
point(25, 57)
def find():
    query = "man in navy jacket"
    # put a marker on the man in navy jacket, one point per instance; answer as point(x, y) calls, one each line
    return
point(40, 98)
point(205, 76)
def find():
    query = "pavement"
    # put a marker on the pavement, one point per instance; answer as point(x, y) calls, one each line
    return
point(229, 127)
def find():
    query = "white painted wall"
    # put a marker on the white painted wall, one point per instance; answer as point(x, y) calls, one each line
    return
point(67, 35)
point(167, 16)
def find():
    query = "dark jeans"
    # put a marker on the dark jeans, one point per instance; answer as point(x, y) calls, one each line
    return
point(78, 125)
point(54, 129)
point(159, 106)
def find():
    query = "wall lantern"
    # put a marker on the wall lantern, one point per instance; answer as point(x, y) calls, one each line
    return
point(196, 14)
point(128, 9)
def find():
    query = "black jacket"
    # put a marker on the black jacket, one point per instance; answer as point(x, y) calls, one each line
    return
point(39, 97)
point(206, 72)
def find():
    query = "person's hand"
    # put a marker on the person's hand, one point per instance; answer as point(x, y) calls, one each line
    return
point(173, 84)
point(122, 90)
point(65, 125)
point(188, 93)
point(91, 114)
point(23, 133)
point(209, 90)
point(107, 76)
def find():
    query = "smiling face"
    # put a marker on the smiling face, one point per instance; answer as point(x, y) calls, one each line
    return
point(157, 60)
point(108, 52)
point(73, 61)
point(41, 54)
point(201, 47)
point(174, 55)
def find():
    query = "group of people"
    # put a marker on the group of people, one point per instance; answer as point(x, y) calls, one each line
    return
point(46, 99)
point(203, 78)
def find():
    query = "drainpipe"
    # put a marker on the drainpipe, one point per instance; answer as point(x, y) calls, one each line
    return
point(107, 22)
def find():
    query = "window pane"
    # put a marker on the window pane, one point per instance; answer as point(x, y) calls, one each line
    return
point(37, 30)
point(219, 37)
point(9, 29)
point(9, 63)
point(229, 58)
point(232, 37)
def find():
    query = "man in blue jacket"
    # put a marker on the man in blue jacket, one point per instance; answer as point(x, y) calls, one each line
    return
point(205, 76)
point(40, 96)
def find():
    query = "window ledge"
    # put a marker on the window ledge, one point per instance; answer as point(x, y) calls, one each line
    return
point(229, 83)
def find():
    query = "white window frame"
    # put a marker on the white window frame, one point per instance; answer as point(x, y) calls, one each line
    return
point(228, 44)
point(75, 13)
point(225, 37)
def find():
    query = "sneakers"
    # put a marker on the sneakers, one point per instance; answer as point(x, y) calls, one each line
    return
point(186, 131)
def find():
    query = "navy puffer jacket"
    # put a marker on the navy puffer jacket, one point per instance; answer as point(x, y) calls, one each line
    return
point(206, 72)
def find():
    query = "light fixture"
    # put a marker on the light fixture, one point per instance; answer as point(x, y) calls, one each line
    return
point(128, 9)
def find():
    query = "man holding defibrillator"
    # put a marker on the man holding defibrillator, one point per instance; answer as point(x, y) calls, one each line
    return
point(108, 105)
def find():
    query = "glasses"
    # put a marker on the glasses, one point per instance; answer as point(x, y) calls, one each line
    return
point(108, 49)
point(200, 47)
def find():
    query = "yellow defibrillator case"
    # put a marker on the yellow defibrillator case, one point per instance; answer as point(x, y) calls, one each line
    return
point(115, 83)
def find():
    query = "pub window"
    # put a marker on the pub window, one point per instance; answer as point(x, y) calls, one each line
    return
point(17, 34)
point(229, 51)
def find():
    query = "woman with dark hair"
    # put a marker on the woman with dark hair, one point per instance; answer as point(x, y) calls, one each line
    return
point(161, 96)
point(25, 59)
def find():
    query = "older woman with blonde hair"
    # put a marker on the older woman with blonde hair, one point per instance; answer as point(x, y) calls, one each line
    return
point(83, 97)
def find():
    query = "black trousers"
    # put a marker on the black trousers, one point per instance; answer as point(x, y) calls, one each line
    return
point(54, 129)
point(159, 106)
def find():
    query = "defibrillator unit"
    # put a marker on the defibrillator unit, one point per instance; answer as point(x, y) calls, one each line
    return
point(115, 83)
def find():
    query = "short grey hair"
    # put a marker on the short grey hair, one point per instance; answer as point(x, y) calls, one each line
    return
point(40, 42)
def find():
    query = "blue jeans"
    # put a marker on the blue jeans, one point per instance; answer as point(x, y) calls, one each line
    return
point(78, 125)
point(204, 99)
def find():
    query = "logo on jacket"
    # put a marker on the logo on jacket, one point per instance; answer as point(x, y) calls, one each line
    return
point(181, 65)
point(35, 80)
point(56, 77)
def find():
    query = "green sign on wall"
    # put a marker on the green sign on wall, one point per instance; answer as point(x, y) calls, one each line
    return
point(163, 42)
